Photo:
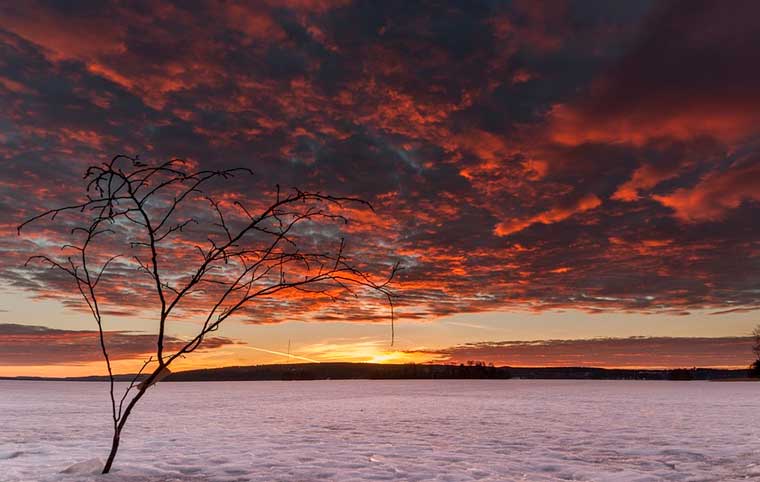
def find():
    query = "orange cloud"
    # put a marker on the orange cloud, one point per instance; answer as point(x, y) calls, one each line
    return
point(575, 125)
point(557, 214)
point(645, 177)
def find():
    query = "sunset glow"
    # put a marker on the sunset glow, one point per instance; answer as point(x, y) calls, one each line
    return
point(562, 183)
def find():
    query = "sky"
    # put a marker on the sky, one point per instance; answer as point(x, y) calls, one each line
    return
point(563, 183)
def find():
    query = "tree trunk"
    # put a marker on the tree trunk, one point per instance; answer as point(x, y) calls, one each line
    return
point(122, 419)
point(114, 449)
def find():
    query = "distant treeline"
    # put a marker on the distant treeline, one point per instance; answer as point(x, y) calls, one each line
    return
point(471, 370)
point(476, 370)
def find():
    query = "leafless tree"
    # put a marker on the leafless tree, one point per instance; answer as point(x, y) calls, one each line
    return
point(236, 254)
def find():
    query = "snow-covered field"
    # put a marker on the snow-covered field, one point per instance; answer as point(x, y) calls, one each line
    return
point(388, 430)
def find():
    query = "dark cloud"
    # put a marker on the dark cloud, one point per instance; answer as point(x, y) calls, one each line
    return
point(692, 73)
point(634, 352)
point(40, 345)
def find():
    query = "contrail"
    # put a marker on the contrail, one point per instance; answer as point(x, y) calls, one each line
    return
point(468, 325)
point(281, 353)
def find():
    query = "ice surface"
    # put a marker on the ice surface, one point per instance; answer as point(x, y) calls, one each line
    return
point(452, 430)
point(86, 467)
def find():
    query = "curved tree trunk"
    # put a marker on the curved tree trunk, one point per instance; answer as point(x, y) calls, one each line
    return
point(114, 449)
point(122, 419)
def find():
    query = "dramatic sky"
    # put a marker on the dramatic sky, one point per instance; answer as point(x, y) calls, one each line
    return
point(564, 183)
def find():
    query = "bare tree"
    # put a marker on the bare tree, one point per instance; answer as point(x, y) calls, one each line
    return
point(236, 254)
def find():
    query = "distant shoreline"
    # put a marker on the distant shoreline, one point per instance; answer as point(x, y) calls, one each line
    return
point(375, 371)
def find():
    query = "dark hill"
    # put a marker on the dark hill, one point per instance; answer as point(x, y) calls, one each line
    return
point(374, 371)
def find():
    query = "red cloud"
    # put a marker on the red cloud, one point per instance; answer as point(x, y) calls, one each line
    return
point(714, 194)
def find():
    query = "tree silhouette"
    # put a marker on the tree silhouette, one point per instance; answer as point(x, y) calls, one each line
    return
point(201, 255)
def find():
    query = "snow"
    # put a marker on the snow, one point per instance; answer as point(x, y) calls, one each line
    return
point(445, 430)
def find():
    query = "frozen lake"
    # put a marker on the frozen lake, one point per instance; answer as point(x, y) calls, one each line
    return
point(448, 430)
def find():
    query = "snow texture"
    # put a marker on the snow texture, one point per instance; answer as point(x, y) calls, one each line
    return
point(445, 430)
